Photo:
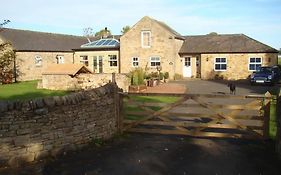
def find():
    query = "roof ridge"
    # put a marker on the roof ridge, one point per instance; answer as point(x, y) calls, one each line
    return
point(233, 34)
point(50, 33)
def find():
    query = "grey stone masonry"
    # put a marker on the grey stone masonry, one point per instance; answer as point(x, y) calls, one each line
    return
point(31, 130)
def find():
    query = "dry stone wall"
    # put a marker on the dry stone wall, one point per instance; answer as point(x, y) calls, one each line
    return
point(31, 130)
point(83, 81)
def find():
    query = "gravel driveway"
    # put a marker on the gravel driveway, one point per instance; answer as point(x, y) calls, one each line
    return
point(196, 86)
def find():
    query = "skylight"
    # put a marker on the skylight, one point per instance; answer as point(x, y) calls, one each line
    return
point(102, 43)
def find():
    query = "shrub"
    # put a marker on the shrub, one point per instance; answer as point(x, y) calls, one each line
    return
point(161, 76)
point(137, 77)
point(166, 75)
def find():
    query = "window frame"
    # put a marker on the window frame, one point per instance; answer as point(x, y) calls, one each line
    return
point(60, 59)
point(38, 60)
point(220, 63)
point(112, 61)
point(150, 61)
point(255, 63)
point(84, 61)
point(133, 61)
point(149, 39)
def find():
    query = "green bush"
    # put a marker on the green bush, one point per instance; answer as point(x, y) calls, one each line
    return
point(137, 77)
point(161, 76)
point(166, 75)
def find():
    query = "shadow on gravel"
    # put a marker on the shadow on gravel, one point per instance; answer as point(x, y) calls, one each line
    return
point(143, 154)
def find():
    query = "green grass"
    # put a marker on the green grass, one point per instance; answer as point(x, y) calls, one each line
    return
point(26, 90)
point(151, 99)
point(155, 99)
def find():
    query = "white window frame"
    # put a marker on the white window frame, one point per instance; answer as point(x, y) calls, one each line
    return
point(84, 61)
point(60, 59)
point(255, 63)
point(112, 59)
point(150, 61)
point(215, 63)
point(38, 60)
point(135, 61)
point(142, 39)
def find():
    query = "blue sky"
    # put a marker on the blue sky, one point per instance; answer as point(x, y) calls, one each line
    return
point(259, 19)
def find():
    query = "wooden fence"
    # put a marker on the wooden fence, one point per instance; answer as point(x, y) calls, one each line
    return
point(230, 124)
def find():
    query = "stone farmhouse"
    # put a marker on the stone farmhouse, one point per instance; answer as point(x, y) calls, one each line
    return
point(148, 45)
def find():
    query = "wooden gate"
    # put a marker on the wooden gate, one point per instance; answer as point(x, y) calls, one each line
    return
point(210, 115)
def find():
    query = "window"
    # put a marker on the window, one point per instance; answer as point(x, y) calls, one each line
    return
point(146, 39)
point(135, 62)
point(187, 61)
point(154, 61)
point(254, 64)
point(60, 59)
point(38, 60)
point(84, 60)
point(112, 60)
point(220, 64)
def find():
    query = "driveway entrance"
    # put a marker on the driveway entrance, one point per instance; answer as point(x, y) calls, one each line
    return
point(208, 115)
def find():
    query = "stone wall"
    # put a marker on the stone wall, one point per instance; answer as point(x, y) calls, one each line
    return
point(83, 81)
point(88, 81)
point(31, 130)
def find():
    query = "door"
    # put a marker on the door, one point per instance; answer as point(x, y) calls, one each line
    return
point(98, 64)
point(187, 72)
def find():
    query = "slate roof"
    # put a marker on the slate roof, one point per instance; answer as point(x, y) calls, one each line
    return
point(65, 69)
point(232, 43)
point(24, 40)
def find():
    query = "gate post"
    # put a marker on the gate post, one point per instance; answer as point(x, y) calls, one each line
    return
point(118, 103)
point(278, 120)
point(266, 115)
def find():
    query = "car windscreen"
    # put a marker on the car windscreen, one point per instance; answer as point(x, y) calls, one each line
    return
point(264, 70)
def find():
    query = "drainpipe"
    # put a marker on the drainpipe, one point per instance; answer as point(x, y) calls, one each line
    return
point(15, 69)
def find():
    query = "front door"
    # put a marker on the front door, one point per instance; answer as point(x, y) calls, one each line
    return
point(187, 72)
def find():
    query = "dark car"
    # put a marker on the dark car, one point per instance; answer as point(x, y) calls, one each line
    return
point(266, 75)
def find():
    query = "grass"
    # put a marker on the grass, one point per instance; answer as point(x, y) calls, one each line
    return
point(155, 99)
point(144, 99)
point(26, 90)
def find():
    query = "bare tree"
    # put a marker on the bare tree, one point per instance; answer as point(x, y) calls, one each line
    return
point(88, 33)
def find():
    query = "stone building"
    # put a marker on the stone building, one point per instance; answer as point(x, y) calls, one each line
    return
point(149, 44)
point(101, 55)
point(233, 56)
point(36, 50)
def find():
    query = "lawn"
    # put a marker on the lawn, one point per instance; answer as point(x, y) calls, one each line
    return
point(26, 90)
point(150, 99)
